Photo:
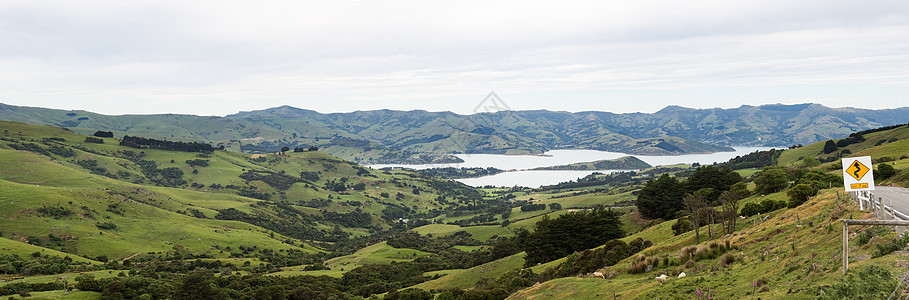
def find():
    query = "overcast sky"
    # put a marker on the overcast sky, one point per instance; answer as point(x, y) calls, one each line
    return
point(221, 57)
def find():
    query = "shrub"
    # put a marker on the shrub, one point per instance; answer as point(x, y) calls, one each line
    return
point(197, 162)
point(884, 171)
point(765, 206)
point(800, 193)
point(871, 282)
point(106, 226)
point(682, 225)
point(687, 253)
point(95, 140)
point(638, 265)
point(891, 246)
point(869, 233)
point(728, 258)
point(100, 133)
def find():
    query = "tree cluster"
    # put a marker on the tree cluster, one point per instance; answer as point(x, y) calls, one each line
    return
point(575, 231)
point(100, 133)
point(143, 143)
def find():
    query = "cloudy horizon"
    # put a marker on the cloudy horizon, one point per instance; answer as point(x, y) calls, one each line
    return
point(219, 58)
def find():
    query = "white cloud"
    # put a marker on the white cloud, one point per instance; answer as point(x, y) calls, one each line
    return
point(219, 57)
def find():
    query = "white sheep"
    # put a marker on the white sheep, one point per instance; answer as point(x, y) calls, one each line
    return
point(598, 275)
point(662, 278)
point(682, 275)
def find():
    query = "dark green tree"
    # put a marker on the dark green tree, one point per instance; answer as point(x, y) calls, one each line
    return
point(800, 193)
point(771, 180)
point(884, 171)
point(717, 179)
point(830, 147)
point(661, 198)
point(197, 285)
point(556, 238)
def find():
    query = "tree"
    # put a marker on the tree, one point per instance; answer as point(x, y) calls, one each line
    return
point(661, 198)
point(730, 201)
point(284, 149)
point(717, 179)
point(556, 238)
point(830, 147)
point(771, 180)
point(95, 140)
point(884, 171)
point(197, 285)
point(694, 204)
point(313, 148)
point(555, 206)
point(100, 133)
point(800, 193)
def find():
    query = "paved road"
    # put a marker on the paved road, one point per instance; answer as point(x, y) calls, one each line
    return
point(899, 196)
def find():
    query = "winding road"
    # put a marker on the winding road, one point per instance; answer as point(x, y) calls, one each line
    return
point(896, 195)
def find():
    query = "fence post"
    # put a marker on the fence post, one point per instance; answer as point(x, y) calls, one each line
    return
point(845, 247)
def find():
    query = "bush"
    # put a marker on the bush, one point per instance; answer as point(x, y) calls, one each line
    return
point(800, 193)
point(687, 253)
point(830, 147)
point(871, 282)
point(765, 206)
point(884, 171)
point(728, 258)
point(197, 162)
point(638, 265)
point(95, 140)
point(891, 246)
point(533, 207)
point(106, 226)
point(682, 225)
point(100, 133)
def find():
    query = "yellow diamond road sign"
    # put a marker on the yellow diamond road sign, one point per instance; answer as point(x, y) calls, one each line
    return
point(857, 170)
point(858, 174)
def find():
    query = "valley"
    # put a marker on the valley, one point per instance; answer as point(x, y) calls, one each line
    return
point(110, 211)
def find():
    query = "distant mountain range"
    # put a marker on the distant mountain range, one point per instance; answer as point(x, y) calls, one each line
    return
point(387, 136)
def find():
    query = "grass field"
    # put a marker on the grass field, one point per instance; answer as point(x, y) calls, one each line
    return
point(141, 228)
point(795, 251)
point(481, 233)
point(8, 246)
point(464, 279)
point(74, 295)
point(380, 253)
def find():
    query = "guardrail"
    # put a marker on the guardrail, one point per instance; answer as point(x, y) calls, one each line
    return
point(867, 201)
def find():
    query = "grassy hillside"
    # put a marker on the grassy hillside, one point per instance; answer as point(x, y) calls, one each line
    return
point(294, 217)
point(464, 279)
point(622, 163)
point(389, 136)
point(311, 182)
point(888, 143)
point(790, 255)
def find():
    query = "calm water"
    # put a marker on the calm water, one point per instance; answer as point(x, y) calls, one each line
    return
point(518, 165)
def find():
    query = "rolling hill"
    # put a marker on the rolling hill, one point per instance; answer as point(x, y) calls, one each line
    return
point(386, 136)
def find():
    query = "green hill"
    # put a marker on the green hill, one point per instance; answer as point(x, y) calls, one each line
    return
point(166, 215)
point(622, 163)
point(104, 199)
point(785, 256)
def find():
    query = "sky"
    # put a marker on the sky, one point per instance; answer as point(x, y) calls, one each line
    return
point(222, 57)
